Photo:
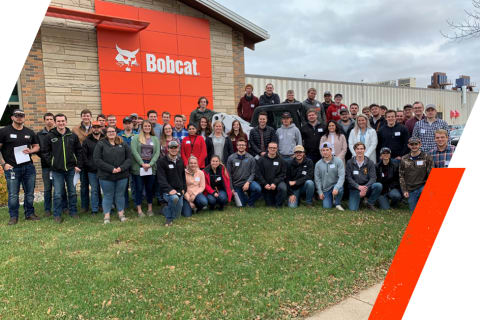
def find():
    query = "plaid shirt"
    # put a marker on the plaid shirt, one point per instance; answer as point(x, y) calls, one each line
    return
point(426, 132)
point(179, 134)
point(441, 159)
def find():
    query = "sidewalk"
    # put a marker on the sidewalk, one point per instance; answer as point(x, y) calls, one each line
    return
point(357, 307)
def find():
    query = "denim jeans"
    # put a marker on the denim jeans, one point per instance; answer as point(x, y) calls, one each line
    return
point(143, 182)
point(174, 206)
point(200, 202)
point(60, 178)
point(413, 197)
point(393, 195)
point(308, 189)
point(23, 175)
point(132, 191)
point(275, 197)
point(221, 200)
point(47, 192)
point(255, 193)
point(84, 198)
point(94, 191)
point(328, 200)
point(113, 192)
point(373, 193)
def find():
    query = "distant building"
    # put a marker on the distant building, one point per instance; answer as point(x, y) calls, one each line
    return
point(407, 82)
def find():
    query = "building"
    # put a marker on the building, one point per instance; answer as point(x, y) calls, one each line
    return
point(365, 94)
point(439, 80)
point(115, 58)
point(407, 82)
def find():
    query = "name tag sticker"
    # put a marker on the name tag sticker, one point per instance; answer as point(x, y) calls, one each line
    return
point(13, 136)
point(318, 105)
point(383, 175)
point(27, 137)
point(320, 130)
point(332, 166)
point(252, 106)
point(355, 171)
point(422, 131)
point(151, 143)
point(334, 113)
point(420, 163)
point(197, 179)
point(219, 179)
point(304, 173)
point(397, 134)
point(237, 164)
point(188, 142)
point(275, 163)
point(171, 166)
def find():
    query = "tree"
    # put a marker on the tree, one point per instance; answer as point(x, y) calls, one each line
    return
point(468, 28)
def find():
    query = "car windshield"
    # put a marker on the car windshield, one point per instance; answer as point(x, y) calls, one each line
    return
point(456, 133)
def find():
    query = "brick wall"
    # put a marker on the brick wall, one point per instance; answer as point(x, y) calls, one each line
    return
point(32, 86)
point(238, 64)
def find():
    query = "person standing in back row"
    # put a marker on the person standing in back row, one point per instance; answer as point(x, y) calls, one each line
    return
point(19, 170)
point(311, 133)
point(247, 104)
point(288, 137)
point(269, 97)
point(261, 136)
point(310, 103)
point(201, 111)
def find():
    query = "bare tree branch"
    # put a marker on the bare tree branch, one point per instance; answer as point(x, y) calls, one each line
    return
point(469, 28)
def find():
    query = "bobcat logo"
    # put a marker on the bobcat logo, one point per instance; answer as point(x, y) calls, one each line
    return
point(126, 58)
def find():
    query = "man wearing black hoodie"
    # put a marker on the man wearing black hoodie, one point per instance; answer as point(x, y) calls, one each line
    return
point(63, 150)
point(271, 173)
point(269, 97)
point(88, 146)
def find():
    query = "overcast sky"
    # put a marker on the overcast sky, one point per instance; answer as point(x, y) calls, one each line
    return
point(350, 40)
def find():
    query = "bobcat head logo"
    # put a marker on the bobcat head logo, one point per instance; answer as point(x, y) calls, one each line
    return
point(126, 58)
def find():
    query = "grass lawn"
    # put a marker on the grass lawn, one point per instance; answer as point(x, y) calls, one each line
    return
point(238, 264)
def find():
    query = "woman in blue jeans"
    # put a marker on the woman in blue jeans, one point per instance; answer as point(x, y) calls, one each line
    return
point(194, 199)
point(217, 184)
point(112, 157)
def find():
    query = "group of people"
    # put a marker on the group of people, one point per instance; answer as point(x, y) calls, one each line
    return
point(380, 156)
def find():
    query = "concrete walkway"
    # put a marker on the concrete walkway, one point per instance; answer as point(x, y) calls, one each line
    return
point(357, 307)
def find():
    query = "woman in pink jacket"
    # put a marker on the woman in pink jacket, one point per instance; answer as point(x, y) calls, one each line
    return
point(194, 199)
point(336, 139)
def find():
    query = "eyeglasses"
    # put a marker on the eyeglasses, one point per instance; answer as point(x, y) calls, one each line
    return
point(272, 148)
point(111, 132)
point(414, 144)
point(19, 115)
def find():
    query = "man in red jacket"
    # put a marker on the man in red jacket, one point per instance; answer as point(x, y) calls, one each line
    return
point(247, 104)
point(333, 111)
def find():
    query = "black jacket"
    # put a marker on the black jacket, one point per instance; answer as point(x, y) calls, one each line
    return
point(266, 100)
point(299, 172)
point(364, 176)
point(254, 139)
point(42, 136)
point(62, 152)
point(380, 123)
point(388, 176)
point(88, 147)
point(108, 157)
point(171, 175)
point(227, 149)
point(311, 139)
point(395, 138)
point(270, 170)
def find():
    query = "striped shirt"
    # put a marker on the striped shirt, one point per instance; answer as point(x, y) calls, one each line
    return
point(425, 131)
point(441, 159)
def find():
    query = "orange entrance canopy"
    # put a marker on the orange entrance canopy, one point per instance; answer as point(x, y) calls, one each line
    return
point(100, 20)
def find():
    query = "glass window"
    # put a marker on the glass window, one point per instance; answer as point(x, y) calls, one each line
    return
point(13, 103)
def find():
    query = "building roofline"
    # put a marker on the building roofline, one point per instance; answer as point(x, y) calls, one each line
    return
point(252, 33)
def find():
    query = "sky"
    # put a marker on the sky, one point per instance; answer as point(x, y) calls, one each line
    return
point(350, 40)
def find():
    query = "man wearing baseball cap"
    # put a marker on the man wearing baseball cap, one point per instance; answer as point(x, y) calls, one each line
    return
point(134, 117)
point(300, 178)
point(247, 104)
point(171, 182)
point(329, 178)
point(425, 128)
point(327, 101)
point(127, 134)
point(333, 111)
point(414, 170)
point(19, 170)
point(288, 137)
point(387, 175)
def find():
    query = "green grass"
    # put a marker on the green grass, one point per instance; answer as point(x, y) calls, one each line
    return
point(237, 264)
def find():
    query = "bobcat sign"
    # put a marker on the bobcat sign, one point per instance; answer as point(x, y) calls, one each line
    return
point(164, 67)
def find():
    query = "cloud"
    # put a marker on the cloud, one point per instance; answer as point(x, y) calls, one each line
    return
point(354, 40)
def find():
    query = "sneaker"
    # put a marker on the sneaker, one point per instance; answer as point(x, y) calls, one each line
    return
point(47, 214)
point(58, 219)
point(371, 207)
point(150, 213)
point(106, 220)
point(12, 221)
point(309, 205)
point(33, 217)
point(168, 223)
point(75, 216)
point(83, 210)
point(339, 207)
point(141, 215)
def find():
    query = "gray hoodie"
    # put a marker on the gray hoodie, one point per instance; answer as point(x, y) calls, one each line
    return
point(329, 175)
point(288, 138)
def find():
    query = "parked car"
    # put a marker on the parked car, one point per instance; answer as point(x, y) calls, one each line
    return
point(275, 111)
point(455, 135)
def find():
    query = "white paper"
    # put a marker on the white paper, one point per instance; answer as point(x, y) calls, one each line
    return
point(76, 178)
point(21, 157)
point(144, 172)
